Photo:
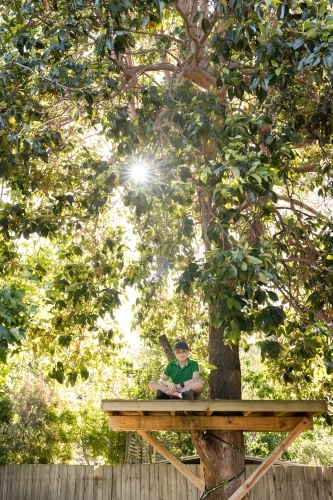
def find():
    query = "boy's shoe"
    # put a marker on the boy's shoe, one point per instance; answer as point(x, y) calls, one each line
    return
point(188, 394)
point(161, 395)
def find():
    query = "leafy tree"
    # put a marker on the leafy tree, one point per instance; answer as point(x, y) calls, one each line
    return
point(33, 428)
point(260, 383)
point(228, 105)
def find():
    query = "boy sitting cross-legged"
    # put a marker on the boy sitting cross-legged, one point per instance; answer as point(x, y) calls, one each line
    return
point(184, 377)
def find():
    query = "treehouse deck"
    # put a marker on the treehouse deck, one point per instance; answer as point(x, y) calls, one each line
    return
point(174, 414)
point(143, 416)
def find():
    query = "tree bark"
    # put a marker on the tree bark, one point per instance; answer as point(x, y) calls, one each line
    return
point(222, 462)
point(165, 344)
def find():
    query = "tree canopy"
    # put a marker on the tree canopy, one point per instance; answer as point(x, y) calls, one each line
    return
point(227, 107)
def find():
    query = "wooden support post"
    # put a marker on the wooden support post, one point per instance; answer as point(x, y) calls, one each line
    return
point(304, 425)
point(172, 459)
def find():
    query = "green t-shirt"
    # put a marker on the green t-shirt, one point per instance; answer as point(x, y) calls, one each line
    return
point(178, 374)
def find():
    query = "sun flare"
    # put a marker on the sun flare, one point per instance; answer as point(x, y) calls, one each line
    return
point(139, 172)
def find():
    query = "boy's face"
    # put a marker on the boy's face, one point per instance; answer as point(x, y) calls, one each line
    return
point(182, 354)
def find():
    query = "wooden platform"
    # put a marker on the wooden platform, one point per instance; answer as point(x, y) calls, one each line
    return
point(174, 414)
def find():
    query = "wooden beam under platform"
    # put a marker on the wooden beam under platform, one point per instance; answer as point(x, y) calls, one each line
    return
point(193, 422)
point(258, 415)
point(172, 459)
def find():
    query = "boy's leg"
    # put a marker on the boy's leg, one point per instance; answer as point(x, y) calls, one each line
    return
point(197, 387)
point(155, 386)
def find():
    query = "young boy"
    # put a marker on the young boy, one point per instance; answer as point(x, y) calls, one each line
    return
point(184, 377)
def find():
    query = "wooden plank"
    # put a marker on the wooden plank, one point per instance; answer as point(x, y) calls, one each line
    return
point(28, 478)
point(135, 481)
point(306, 484)
point(54, 483)
point(281, 487)
point(110, 475)
point(135, 478)
point(297, 477)
point(169, 422)
point(98, 483)
point(44, 481)
point(63, 482)
point(88, 485)
point(35, 483)
point(144, 484)
point(79, 482)
point(172, 459)
point(260, 471)
point(289, 481)
point(192, 491)
point(328, 481)
point(197, 473)
point(173, 477)
point(263, 487)
point(307, 487)
point(170, 483)
point(181, 487)
point(254, 492)
point(11, 482)
point(163, 493)
point(4, 488)
point(270, 480)
point(71, 483)
point(153, 482)
point(117, 489)
point(126, 482)
point(22, 480)
point(264, 406)
point(1, 479)
point(320, 479)
point(102, 483)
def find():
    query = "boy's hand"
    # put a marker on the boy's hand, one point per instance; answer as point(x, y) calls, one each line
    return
point(172, 388)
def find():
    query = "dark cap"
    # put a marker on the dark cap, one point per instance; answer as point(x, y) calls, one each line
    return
point(180, 345)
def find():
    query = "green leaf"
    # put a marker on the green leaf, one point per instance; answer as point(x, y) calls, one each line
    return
point(205, 25)
point(230, 303)
point(197, 16)
point(62, 35)
point(72, 377)
point(84, 374)
point(273, 296)
point(270, 317)
point(298, 43)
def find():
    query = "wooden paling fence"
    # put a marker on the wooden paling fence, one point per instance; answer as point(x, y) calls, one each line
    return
point(151, 482)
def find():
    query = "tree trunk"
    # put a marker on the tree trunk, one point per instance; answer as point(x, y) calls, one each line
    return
point(165, 344)
point(222, 462)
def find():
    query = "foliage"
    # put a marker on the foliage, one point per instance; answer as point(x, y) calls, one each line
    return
point(227, 105)
point(33, 428)
point(230, 122)
point(262, 384)
point(96, 440)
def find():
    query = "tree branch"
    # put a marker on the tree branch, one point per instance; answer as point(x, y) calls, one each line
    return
point(292, 202)
point(308, 168)
point(188, 27)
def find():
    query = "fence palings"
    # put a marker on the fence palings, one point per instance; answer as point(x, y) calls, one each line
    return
point(151, 482)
